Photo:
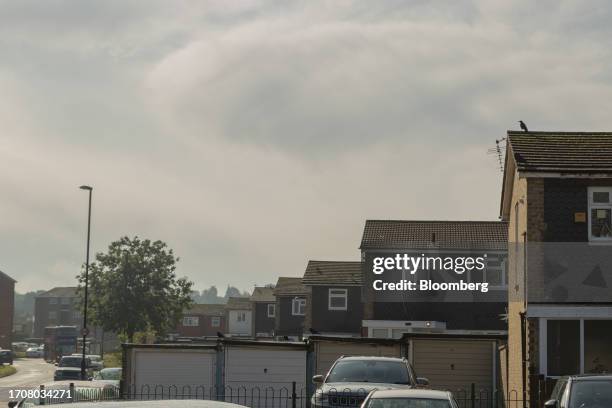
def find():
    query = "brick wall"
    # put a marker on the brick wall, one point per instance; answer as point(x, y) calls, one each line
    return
point(7, 310)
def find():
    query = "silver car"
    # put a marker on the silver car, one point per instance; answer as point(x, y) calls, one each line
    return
point(414, 398)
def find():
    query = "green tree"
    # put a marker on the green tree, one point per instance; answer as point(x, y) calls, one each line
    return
point(133, 287)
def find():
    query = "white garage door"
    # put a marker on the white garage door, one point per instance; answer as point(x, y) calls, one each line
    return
point(262, 376)
point(188, 373)
point(455, 364)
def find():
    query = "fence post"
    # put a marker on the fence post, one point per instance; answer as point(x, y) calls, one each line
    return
point(293, 395)
point(71, 392)
point(41, 398)
point(473, 395)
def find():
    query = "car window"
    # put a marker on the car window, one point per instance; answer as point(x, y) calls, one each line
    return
point(558, 390)
point(591, 394)
point(376, 371)
point(408, 403)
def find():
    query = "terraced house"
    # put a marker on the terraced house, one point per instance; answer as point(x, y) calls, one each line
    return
point(7, 309)
point(557, 201)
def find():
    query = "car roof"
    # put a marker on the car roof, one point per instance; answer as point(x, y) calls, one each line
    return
point(411, 393)
point(158, 403)
point(591, 377)
point(68, 369)
point(372, 358)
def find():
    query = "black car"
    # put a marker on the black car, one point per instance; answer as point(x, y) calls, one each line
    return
point(582, 391)
point(6, 357)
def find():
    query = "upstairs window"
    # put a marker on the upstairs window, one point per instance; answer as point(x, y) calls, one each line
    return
point(191, 321)
point(215, 321)
point(241, 317)
point(337, 299)
point(600, 213)
point(298, 307)
point(271, 310)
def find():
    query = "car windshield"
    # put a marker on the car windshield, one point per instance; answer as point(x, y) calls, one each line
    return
point(408, 403)
point(70, 362)
point(109, 374)
point(591, 394)
point(376, 371)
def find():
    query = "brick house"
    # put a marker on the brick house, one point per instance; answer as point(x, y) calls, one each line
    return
point(291, 300)
point(557, 200)
point(61, 306)
point(7, 309)
point(335, 307)
point(264, 311)
point(415, 311)
point(202, 320)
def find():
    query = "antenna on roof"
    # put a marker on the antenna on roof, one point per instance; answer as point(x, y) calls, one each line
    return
point(499, 150)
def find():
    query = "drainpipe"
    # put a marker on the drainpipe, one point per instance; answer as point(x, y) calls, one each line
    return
point(523, 358)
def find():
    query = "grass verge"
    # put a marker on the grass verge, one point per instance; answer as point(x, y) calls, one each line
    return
point(5, 371)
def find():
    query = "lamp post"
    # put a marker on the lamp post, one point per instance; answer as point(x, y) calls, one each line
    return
point(85, 331)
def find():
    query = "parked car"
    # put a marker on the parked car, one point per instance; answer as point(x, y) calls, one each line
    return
point(75, 362)
point(414, 398)
point(6, 357)
point(582, 391)
point(350, 380)
point(34, 352)
point(95, 359)
point(108, 375)
point(67, 373)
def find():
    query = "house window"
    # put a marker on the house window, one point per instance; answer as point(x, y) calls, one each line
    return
point(65, 301)
point(298, 307)
point(600, 213)
point(575, 346)
point(271, 310)
point(337, 299)
point(241, 317)
point(53, 301)
point(52, 315)
point(191, 321)
point(76, 315)
point(215, 321)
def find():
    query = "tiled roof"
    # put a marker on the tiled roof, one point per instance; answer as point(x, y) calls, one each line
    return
point(263, 294)
point(238, 303)
point(380, 234)
point(207, 309)
point(290, 286)
point(67, 291)
point(332, 272)
point(567, 152)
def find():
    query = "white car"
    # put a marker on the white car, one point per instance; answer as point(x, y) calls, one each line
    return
point(409, 398)
point(34, 352)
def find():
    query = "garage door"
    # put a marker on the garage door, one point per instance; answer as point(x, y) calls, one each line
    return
point(329, 351)
point(455, 364)
point(188, 373)
point(262, 376)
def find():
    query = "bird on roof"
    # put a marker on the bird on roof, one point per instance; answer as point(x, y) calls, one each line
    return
point(523, 126)
point(220, 335)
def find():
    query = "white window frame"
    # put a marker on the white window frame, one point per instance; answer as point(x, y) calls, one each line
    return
point(65, 301)
point(504, 282)
point(271, 313)
point(191, 321)
point(215, 321)
point(594, 206)
point(298, 306)
point(340, 294)
point(53, 301)
point(241, 316)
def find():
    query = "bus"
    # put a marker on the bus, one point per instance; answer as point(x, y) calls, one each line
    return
point(60, 341)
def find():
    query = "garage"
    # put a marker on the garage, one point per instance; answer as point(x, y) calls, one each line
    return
point(260, 374)
point(170, 371)
point(329, 349)
point(454, 364)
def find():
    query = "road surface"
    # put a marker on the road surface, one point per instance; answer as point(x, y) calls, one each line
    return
point(31, 372)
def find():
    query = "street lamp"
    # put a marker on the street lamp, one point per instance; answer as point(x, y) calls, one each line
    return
point(85, 331)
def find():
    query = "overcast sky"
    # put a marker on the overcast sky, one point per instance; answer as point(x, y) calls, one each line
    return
point(252, 136)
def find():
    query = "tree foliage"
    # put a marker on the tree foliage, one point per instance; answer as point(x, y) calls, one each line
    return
point(133, 287)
